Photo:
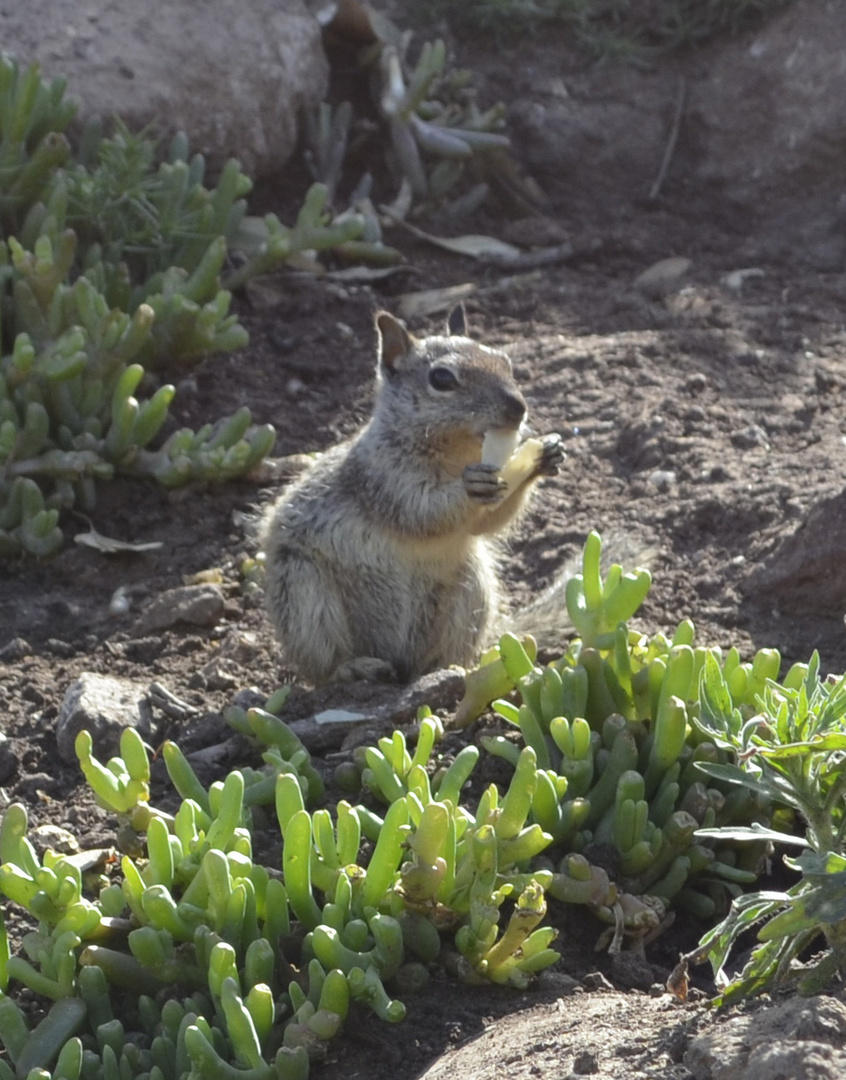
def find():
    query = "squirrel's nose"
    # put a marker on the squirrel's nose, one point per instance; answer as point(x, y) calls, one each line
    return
point(514, 408)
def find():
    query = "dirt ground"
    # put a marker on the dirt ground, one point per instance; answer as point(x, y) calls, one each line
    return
point(703, 420)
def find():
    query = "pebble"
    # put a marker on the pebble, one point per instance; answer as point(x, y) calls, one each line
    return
point(198, 605)
point(736, 279)
point(15, 650)
point(8, 759)
point(54, 838)
point(696, 383)
point(120, 602)
point(339, 716)
point(104, 706)
point(750, 437)
point(60, 648)
point(662, 277)
point(558, 982)
point(585, 1063)
point(662, 479)
point(220, 673)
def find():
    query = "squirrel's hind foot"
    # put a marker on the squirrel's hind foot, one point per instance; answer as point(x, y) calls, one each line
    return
point(365, 669)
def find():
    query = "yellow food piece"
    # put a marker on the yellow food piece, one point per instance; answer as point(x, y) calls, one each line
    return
point(523, 463)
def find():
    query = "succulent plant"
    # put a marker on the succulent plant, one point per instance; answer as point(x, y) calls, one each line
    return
point(113, 269)
point(613, 726)
point(429, 127)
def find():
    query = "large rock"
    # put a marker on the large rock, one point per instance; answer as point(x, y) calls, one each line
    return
point(234, 76)
point(769, 130)
point(807, 572)
point(772, 106)
point(801, 1039)
point(586, 137)
point(761, 139)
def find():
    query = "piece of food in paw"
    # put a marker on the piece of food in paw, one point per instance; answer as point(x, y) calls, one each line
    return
point(498, 446)
point(523, 463)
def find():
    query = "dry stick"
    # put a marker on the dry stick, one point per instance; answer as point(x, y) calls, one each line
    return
point(669, 150)
point(530, 260)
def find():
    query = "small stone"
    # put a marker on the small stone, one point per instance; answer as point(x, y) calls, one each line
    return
point(750, 437)
point(630, 971)
point(736, 279)
point(219, 674)
point(662, 277)
point(8, 759)
point(585, 1063)
point(104, 706)
point(54, 838)
point(34, 786)
point(233, 609)
point(557, 982)
point(197, 605)
point(595, 980)
point(696, 383)
point(662, 479)
point(249, 697)
point(15, 650)
point(339, 716)
point(120, 602)
point(241, 647)
point(59, 648)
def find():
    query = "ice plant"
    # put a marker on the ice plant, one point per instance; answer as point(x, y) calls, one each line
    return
point(113, 268)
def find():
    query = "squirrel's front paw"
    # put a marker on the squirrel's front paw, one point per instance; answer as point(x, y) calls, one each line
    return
point(483, 483)
point(552, 456)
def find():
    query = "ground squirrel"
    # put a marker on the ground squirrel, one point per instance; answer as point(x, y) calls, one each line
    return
point(381, 560)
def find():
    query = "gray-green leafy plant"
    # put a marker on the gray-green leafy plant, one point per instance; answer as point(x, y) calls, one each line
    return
point(431, 131)
point(113, 268)
point(789, 748)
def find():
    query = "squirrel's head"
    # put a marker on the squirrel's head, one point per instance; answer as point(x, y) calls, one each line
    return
point(448, 382)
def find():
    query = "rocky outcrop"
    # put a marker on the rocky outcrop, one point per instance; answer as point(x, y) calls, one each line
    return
point(234, 76)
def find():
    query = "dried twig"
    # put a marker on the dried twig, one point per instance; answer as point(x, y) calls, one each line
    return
point(670, 148)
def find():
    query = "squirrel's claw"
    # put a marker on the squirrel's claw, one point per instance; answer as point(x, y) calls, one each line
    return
point(483, 483)
point(552, 456)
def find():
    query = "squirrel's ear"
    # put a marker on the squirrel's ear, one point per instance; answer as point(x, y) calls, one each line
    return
point(457, 321)
point(394, 341)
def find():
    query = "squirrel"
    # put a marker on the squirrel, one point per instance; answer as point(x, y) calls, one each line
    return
point(381, 561)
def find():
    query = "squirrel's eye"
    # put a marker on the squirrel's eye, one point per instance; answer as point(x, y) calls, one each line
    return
point(441, 378)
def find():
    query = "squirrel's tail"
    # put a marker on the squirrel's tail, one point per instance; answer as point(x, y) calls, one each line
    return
point(546, 618)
